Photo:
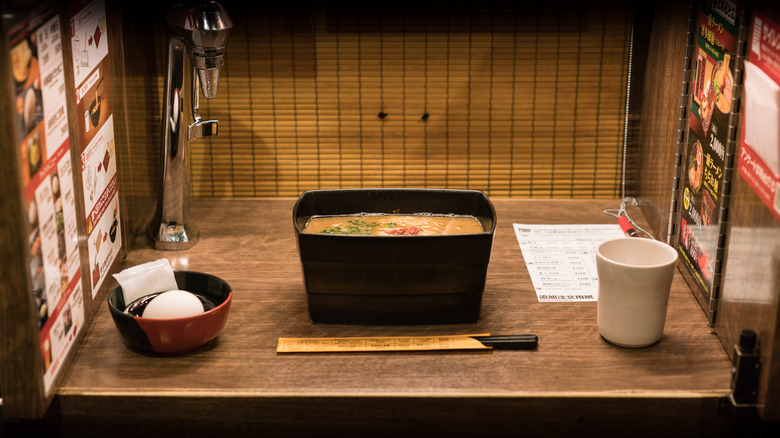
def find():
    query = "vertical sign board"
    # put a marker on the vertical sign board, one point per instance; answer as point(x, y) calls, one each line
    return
point(707, 156)
point(95, 120)
point(759, 155)
point(49, 150)
point(46, 171)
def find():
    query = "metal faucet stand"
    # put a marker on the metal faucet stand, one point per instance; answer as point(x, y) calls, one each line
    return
point(196, 41)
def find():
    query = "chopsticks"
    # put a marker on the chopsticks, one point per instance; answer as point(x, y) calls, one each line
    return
point(480, 341)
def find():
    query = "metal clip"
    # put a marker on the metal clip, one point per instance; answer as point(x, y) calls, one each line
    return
point(740, 405)
point(622, 212)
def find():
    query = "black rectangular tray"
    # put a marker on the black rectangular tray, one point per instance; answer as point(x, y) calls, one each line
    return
point(394, 280)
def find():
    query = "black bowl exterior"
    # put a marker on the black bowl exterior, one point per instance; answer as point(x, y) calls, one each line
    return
point(134, 334)
point(392, 280)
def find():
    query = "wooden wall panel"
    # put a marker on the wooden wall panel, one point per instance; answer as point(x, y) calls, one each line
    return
point(140, 161)
point(516, 99)
point(660, 113)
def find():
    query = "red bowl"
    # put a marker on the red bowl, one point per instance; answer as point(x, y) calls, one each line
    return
point(178, 335)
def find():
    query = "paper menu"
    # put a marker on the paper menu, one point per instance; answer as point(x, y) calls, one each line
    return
point(96, 142)
point(561, 259)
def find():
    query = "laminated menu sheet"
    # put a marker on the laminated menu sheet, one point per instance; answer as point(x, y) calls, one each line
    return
point(89, 34)
point(561, 259)
point(46, 177)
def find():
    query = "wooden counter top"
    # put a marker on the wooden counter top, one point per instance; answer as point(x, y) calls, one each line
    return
point(574, 383)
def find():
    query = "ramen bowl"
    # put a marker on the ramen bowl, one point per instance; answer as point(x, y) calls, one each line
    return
point(178, 335)
point(394, 280)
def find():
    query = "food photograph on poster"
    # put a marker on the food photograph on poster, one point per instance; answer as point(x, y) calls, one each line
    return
point(706, 163)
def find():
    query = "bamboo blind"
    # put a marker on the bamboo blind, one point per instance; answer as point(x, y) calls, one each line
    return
point(516, 99)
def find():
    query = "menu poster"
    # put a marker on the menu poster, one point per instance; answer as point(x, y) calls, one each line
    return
point(92, 73)
point(705, 160)
point(47, 181)
point(759, 155)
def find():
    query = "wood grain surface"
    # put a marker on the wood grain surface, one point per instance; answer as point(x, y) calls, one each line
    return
point(659, 117)
point(574, 379)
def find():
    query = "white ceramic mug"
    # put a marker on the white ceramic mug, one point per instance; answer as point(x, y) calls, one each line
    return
point(635, 275)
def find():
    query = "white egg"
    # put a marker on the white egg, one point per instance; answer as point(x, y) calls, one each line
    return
point(173, 304)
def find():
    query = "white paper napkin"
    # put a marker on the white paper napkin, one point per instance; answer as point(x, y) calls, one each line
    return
point(145, 279)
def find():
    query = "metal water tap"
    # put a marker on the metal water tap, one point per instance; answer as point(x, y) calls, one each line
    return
point(198, 31)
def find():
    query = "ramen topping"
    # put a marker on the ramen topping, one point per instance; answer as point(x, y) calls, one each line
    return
point(394, 225)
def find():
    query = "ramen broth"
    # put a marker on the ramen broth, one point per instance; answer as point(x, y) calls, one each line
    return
point(394, 224)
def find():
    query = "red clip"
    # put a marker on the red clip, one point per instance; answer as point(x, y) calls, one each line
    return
point(627, 227)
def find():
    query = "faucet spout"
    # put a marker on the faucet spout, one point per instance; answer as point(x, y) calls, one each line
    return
point(199, 127)
point(207, 67)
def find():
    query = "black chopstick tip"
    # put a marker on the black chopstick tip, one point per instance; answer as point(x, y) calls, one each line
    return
point(510, 342)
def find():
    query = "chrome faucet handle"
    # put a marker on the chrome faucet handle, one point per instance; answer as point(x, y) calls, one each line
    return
point(202, 128)
point(199, 127)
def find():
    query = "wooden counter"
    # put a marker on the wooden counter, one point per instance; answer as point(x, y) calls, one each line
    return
point(575, 383)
